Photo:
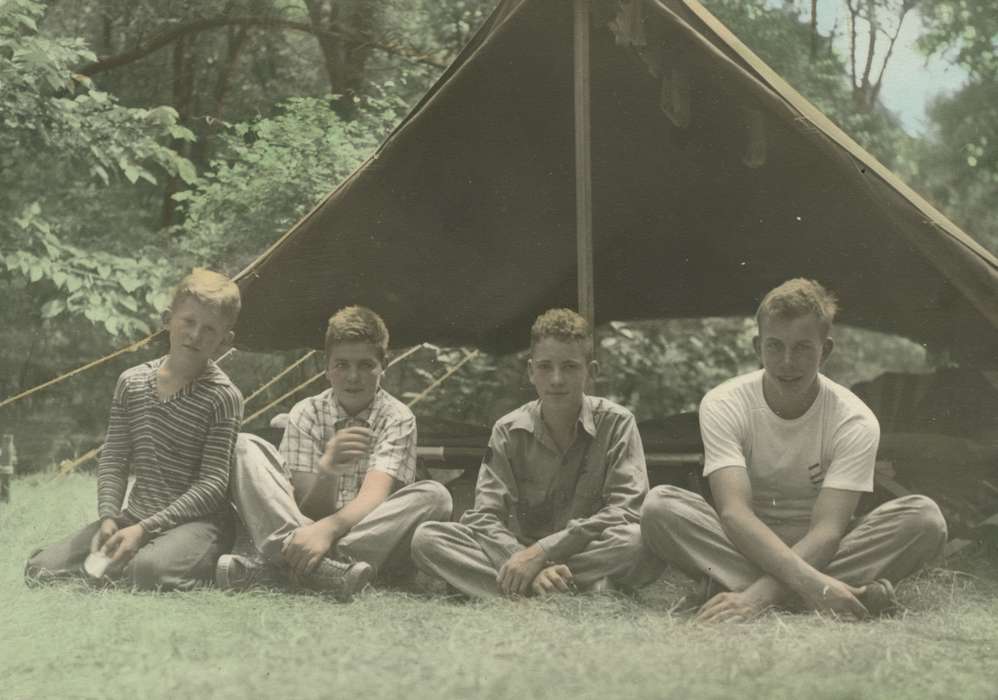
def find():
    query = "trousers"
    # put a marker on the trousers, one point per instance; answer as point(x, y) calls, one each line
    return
point(892, 541)
point(451, 552)
point(263, 496)
point(179, 559)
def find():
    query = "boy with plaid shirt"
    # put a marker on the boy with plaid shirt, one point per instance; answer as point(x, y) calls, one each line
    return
point(338, 505)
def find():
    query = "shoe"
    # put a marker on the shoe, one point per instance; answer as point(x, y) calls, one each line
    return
point(879, 598)
point(342, 579)
point(238, 573)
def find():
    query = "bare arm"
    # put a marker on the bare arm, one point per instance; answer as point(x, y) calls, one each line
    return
point(788, 569)
point(310, 543)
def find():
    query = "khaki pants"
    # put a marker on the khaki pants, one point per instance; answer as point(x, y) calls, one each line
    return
point(261, 491)
point(452, 552)
point(179, 559)
point(892, 541)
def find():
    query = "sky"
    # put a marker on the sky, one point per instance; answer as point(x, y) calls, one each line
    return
point(911, 81)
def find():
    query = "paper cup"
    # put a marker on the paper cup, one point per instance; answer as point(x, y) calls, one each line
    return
point(96, 564)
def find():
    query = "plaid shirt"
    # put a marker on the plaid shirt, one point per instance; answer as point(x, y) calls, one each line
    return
point(314, 421)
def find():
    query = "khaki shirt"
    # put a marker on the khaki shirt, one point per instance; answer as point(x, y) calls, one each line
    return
point(528, 491)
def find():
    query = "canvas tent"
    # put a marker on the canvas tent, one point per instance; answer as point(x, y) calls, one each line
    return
point(712, 181)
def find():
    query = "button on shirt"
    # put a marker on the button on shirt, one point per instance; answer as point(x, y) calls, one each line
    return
point(529, 491)
point(314, 421)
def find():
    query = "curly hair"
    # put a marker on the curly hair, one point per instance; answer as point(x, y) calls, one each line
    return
point(562, 324)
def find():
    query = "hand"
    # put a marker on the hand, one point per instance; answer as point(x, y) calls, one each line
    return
point(345, 448)
point(124, 543)
point(556, 578)
point(108, 527)
point(828, 594)
point(731, 607)
point(308, 545)
point(519, 571)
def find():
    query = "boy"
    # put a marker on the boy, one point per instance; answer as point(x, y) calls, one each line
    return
point(787, 454)
point(560, 487)
point(173, 424)
point(341, 506)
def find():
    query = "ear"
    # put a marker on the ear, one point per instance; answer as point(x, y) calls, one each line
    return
point(826, 348)
point(530, 370)
point(593, 369)
point(228, 339)
point(166, 316)
point(757, 346)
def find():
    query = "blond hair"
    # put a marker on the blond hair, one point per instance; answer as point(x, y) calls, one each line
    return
point(799, 297)
point(211, 289)
point(358, 324)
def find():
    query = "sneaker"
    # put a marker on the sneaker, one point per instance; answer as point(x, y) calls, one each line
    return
point(879, 598)
point(342, 579)
point(238, 573)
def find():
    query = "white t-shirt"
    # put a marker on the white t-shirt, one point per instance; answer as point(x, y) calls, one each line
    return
point(834, 444)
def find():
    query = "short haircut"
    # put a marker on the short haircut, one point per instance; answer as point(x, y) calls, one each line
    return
point(564, 325)
point(358, 324)
point(799, 297)
point(211, 289)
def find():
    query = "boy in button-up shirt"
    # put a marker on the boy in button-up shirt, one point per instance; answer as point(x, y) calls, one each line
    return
point(560, 488)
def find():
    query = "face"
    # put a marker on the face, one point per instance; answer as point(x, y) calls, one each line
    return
point(792, 350)
point(558, 370)
point(354, 372)
point(197, 331)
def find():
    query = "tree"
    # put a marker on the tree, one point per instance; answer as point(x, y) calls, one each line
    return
point(60, 134)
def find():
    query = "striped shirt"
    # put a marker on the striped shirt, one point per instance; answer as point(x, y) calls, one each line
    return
point(314, 421)
point(179, 450)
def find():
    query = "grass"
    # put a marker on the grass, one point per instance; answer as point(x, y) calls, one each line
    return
point(69, 642)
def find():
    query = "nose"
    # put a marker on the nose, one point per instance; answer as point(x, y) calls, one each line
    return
point(556, 376)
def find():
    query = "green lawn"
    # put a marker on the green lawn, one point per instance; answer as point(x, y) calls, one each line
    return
point(68, 642)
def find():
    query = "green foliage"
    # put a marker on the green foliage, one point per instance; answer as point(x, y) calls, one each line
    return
point(958, 164)
point(60, 133)
point(271, 171)
point(782, 38)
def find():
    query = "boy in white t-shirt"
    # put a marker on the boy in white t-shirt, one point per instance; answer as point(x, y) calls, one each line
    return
point(788, 453)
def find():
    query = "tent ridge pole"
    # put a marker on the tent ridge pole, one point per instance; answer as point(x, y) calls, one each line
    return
point(583, 164)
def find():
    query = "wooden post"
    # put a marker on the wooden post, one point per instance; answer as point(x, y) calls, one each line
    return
point(583, 166)
point(8, 459)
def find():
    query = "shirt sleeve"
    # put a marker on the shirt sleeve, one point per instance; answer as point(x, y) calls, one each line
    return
point(854, 455)
point(302, 445)
point(624, 490)
point(394, 452)
point(495, 502)
point(112, 469)
point(209, 491)
point(721, 427)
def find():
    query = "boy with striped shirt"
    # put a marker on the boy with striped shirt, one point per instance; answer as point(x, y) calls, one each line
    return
point(173, 424)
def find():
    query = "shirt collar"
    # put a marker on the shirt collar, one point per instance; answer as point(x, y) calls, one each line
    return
point(367, 414)
point(530, 419)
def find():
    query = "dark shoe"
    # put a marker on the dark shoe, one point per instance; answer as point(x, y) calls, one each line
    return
point(237, 573)
point(339, 578)
point(879, 598)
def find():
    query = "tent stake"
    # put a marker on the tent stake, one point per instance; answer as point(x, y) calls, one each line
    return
point(583, 165)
